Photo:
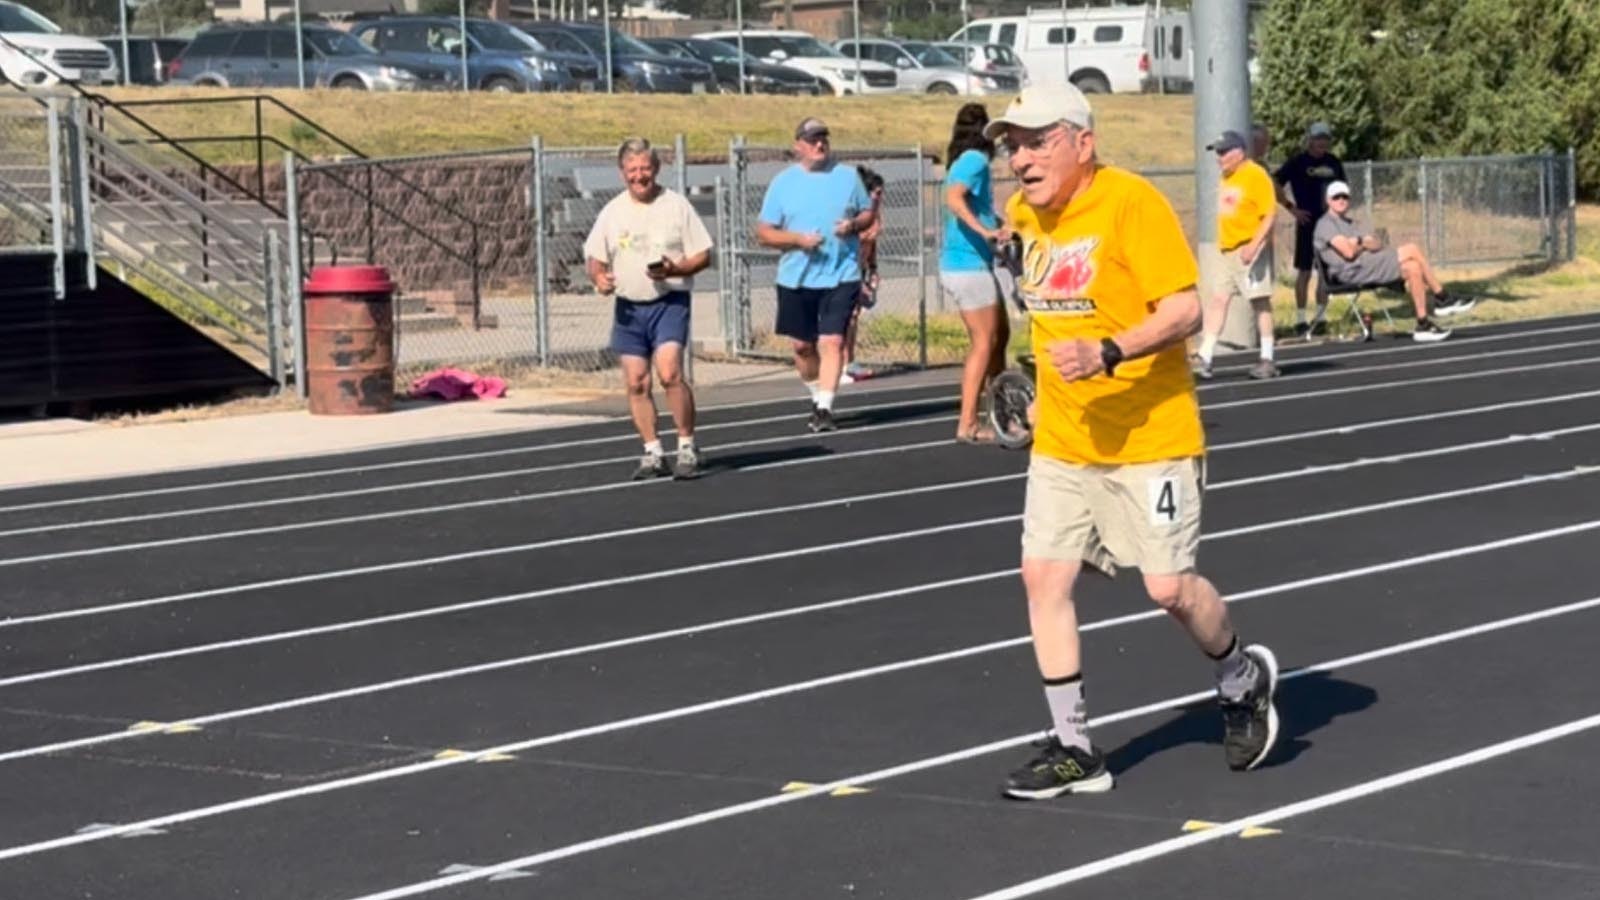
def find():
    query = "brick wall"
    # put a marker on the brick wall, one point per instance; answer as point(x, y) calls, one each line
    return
point(426, 247)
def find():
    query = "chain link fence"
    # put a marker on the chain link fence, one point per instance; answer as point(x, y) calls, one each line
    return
point(487, 246)
point(26, 204)
point(895, 330)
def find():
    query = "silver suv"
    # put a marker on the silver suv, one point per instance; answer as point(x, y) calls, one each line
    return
point(923, 68)
point(263, 56)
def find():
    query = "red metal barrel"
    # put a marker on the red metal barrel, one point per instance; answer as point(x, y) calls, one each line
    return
point(349, 320)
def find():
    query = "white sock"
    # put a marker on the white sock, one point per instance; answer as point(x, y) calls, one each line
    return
point(824, 399)
point(652, 448)
point(686, 442)
point(1266, 347)
point(1300, 315)
point(1208, 347)
point(1322, 312)
point(812, 389)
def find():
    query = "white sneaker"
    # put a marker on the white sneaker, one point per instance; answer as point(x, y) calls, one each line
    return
point(1428, 333)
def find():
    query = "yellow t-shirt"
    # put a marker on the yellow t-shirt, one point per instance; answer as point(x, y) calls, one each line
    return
point(1243, 200)
point(1091, 271)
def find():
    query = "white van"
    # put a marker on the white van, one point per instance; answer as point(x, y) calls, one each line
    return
point(35, 53)
point(1100, 49)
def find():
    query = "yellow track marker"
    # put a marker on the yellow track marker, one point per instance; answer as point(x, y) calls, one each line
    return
point(163, 727)
point(1253, 831)
point(846, 790)
point(459, 754)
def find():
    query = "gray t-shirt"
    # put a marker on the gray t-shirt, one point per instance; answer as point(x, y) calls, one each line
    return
point(1329, 227)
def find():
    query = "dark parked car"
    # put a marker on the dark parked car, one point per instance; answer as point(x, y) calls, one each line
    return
point(499, 57)
point(264, 56)
point(634, 67)
point(151, 56)
point(759, 77)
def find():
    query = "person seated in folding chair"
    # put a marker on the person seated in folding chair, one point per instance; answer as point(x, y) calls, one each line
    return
point(1356, 258)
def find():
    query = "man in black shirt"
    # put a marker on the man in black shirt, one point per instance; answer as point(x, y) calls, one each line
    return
point(1307, 176)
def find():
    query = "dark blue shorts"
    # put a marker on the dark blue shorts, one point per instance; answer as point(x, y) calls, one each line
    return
point(640, 329)
point(804, 313)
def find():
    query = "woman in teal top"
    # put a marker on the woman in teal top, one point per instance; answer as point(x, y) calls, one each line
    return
point(966, 264)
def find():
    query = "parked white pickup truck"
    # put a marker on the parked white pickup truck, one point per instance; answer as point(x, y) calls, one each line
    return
point(35, 53)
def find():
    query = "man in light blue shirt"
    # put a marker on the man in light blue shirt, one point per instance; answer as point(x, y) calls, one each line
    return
point(814, 211)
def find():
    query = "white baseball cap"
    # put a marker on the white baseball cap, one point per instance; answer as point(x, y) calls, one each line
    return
point(1043, 105)
point(1336, 188)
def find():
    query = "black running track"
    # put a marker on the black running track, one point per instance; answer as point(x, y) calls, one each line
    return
point(493, 668)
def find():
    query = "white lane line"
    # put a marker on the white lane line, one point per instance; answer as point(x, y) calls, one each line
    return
point(801, 440)
point(488, 454)
point(260, 800)
point(704, 628)
point(1357, 791)
point(727, 812)
point(434, 461)
point(204, 537)
point(124, 606)
point(1409, 382)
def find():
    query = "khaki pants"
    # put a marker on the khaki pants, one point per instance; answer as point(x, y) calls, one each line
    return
point(1144, 516)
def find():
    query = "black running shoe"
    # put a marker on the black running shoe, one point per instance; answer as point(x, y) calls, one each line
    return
point(1058, 769)
point(821, 420)
point(1250, 725)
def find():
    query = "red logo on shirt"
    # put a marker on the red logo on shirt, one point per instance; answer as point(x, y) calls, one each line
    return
point(1053, 274)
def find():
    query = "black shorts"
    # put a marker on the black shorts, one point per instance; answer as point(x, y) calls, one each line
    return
point(1302, 247)
point(805, 313)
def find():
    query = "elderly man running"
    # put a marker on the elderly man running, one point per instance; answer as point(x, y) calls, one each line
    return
point(645, 247)
point(1118, 450)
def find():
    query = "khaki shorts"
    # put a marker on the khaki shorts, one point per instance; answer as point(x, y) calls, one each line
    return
point(1235, 279)
point(1144, 516)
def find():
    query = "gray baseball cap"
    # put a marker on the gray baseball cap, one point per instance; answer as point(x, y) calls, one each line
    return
point(1228, 140)
point(810, 126)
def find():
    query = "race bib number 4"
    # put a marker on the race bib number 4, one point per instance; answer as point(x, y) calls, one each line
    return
point(1166, 498)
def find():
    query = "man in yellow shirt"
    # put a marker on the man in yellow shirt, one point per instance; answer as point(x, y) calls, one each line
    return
point(1118, 451)
point(1246, 204)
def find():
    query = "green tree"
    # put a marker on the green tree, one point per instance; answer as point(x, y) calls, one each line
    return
point(1315, 65)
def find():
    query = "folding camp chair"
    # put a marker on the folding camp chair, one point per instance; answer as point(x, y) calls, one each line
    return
point(1352, 294)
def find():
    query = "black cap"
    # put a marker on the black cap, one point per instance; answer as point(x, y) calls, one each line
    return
point(1228, 140)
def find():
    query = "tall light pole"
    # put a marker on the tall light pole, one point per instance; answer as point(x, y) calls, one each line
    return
point(1066, 38)
point(1221, 103)
point(299, 46)
point(605, 33)
point(856, 11)
point(738, 24)
point(127, 60)
point(466, 85)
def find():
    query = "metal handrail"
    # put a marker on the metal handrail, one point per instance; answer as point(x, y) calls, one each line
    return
point(100, 141)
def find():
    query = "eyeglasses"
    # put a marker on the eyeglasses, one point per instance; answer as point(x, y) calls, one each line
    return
point(1039, 142)
point(815, 139)
point(1340, 197)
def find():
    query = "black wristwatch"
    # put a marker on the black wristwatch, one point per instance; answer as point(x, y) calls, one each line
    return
point(1110, 355)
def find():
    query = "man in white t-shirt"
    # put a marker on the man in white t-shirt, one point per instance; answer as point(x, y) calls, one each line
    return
point(645, 248)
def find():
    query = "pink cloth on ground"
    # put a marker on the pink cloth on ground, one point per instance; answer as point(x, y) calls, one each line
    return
point(456, 384)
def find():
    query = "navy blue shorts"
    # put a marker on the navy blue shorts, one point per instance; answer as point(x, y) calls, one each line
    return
point(640, 329)
point(804, 313)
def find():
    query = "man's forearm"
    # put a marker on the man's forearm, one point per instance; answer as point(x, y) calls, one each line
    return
point(776, 238)
point(694, 264)
point(1177, 316)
